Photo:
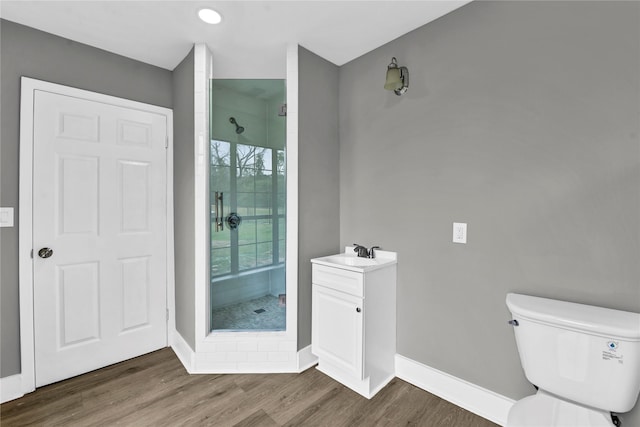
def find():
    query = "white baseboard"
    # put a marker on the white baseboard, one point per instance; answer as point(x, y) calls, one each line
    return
point(473, 398)
point(182, 350)
point(10, 388)
point(306, 359)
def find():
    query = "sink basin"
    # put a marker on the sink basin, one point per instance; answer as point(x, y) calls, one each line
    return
point(349, 261)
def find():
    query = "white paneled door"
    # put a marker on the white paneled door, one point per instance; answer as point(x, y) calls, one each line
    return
point(99, 234)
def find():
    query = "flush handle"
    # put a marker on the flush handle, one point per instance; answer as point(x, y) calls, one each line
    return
point(514, 322)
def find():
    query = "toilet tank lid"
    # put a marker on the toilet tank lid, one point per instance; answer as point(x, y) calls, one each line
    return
point(569, 315)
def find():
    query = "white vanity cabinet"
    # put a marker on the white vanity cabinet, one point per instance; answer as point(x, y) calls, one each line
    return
point(354, 319)
point(337, 323)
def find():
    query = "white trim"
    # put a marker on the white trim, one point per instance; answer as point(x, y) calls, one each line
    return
point(25, 234)
point(473, 398)
point(291, 153)
point(11, 388)
point(202, 73)
point(171, 275)
point(182, 350)
point(306, 359)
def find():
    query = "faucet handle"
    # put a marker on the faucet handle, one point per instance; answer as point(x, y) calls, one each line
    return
point(371, 252)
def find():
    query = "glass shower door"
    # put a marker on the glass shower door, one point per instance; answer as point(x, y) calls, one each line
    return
point(247, 193)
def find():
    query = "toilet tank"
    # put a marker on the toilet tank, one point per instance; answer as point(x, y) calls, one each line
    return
point(583, 353)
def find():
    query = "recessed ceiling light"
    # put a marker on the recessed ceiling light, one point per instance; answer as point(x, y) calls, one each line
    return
point(209, 16)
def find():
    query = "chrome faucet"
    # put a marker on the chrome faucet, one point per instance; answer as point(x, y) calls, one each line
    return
point(361, 251)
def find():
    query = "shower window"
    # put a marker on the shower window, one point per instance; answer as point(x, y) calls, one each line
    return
point(245, 175)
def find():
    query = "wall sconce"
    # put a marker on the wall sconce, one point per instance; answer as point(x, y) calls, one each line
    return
point(397, 78)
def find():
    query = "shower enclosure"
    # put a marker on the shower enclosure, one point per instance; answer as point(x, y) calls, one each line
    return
point(248, 199)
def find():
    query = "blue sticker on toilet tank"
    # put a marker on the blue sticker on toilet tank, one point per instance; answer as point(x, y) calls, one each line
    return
point(612, 352)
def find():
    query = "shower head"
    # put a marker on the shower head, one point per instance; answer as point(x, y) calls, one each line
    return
point(239, 129)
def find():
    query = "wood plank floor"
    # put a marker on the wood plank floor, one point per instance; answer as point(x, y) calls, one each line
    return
point(155, 390)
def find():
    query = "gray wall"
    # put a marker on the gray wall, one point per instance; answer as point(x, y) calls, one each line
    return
point(318, 193)
point(522, 119)
point(28, 52)
point(184, 197)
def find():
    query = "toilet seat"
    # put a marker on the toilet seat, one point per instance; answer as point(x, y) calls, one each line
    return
point(543, 409)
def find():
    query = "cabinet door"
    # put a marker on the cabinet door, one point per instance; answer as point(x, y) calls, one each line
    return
point(337, 321)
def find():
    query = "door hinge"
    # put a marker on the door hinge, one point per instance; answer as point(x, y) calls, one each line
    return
point(31, 253)
point(167, 314)
point(166, 142)
point(282, 112)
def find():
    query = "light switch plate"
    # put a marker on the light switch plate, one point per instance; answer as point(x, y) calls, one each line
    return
point(6, 217)
point(459, 232)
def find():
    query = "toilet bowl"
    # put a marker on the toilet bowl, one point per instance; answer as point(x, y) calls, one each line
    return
point(543, 409)
point(584, 360)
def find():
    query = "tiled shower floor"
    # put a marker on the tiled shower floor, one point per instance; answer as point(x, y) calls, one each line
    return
point(243, 316)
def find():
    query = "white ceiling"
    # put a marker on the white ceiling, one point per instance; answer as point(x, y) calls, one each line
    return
point(249, 43)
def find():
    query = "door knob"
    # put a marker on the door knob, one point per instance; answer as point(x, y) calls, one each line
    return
point(45, 252)
point(358, 309)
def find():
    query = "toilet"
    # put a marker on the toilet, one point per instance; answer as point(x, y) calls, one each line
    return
point(584, 361)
